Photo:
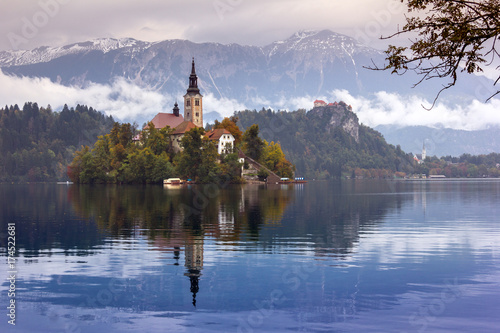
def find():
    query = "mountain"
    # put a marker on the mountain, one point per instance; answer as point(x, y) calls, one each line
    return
point(46, 54)
point(309, 64)
point(442, 141)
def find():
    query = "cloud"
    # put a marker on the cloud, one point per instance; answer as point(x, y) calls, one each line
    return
point(126, 101)
point(122, 99)
point(385, 108)
point(224, 106)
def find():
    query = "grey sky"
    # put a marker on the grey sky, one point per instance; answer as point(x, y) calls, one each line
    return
point(31, 23)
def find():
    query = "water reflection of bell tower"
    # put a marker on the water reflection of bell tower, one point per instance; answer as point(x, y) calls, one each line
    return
point(194, 263)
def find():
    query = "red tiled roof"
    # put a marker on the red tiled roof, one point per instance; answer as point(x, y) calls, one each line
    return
point(319, 101)
point(184, 127)
point(162, 120)
point(216, 133)
point(331, 104)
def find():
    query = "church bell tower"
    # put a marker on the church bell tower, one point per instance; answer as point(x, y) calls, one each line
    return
point(193, 100)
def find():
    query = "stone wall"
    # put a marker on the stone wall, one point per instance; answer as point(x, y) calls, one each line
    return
point(255, 166)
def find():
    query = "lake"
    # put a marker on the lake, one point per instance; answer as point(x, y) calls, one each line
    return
point(347, 256)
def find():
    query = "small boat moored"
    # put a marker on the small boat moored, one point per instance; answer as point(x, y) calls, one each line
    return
point(173, 181)
point(297, 180)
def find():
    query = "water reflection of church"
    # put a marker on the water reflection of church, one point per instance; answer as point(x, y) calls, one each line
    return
point(225, 218)
point(175, 224)
point(193, 253)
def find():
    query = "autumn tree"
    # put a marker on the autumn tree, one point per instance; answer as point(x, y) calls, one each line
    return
point(231, 125)
point(156, 139)
point(452, 36)
point(274, 159)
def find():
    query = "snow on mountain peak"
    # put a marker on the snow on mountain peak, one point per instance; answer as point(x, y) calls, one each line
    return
point(46, 54)
point(323, 42)
point(317, 41)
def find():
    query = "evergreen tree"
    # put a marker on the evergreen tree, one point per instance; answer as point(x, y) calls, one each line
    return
point(253, 145)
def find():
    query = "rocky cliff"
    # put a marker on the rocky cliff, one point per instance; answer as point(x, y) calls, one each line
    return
point(339, 114)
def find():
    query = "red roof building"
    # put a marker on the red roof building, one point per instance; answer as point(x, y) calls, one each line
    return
point(162, 120)
point(184, 127)
point(179, 132)
point(319, 102)
point(215, 134)
point(223, 139)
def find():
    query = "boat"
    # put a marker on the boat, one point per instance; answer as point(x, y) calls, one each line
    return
point(173, 181)
point(300, 180)
point(285, 181)
point(297, 180)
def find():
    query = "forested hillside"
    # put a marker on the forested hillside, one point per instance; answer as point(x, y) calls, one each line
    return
point(328, 142)
point(37, 144)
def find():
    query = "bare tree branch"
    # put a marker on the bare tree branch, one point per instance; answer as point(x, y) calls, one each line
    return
point(456, 33)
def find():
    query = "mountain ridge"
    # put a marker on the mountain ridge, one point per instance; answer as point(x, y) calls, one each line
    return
point(308, 64)
point(25, 57)
point(442, 141)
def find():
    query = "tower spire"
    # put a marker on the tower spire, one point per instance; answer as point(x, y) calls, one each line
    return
point(176, 109)
point(193, 100)
point(193, 80)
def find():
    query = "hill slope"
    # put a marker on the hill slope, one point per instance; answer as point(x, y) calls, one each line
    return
point(328, 142)
point(37, 144)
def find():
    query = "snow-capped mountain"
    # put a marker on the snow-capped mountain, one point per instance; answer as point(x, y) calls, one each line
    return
point(308, 64)
point(311, 41)
point(46, 54)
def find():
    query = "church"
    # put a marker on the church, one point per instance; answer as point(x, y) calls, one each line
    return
point(193, 117)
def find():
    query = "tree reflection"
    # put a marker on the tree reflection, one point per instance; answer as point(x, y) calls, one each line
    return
point(321, 218)
point(181, 217)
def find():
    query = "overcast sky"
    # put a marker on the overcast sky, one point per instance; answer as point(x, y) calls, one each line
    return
point(31, 23)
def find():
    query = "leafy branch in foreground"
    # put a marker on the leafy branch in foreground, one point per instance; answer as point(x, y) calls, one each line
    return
point(452, 36)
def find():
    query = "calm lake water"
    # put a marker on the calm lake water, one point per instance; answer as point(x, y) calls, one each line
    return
point(353, 256)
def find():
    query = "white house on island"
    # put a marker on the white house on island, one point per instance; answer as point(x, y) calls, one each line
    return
point(223, 139)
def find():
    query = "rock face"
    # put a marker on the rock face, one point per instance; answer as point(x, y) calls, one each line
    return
point(339, 115)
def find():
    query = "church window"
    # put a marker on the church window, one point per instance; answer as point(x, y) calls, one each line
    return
point(197, 102)
point(188, 103)
point(197, 114)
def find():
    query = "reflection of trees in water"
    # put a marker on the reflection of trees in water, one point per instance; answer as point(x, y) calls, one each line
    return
point(355, 207)
point(179, 221)
point(44, 220)
point(333, 212)
point(198, 210)
point(176, 218)
point(331, 215)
